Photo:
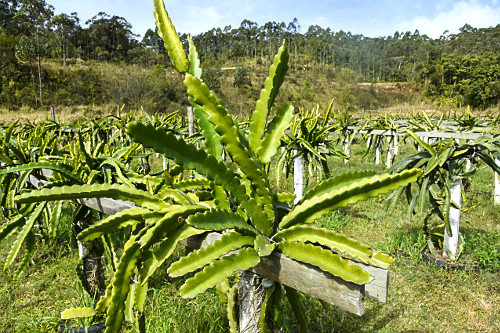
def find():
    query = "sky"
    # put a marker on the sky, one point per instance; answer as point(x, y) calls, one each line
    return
point(369, 18)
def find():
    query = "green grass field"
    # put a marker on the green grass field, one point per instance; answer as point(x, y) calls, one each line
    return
point(422, 297)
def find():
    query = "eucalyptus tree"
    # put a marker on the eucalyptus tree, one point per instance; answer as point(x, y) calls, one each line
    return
point(111, 34)
point(8, 10)
point(34, 16)
point(65, 27)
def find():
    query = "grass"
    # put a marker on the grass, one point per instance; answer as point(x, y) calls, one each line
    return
point(422, 297)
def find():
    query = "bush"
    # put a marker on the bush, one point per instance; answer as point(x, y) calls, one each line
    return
point(211, 77)
point(242, 77)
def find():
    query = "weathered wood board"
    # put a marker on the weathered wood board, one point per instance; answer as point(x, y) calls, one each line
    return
point(378, 287)
point(313, 281)
point(106, 205)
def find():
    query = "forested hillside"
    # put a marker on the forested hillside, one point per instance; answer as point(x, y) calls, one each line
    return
point(57, 59)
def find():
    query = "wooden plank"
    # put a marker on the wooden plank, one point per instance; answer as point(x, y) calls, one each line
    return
point(305, 278)
point(36, 182)
point(376, 131)
point(476, 133)
point(311, 280)
point(106, 205)
point(449, 135)
point(378, 288)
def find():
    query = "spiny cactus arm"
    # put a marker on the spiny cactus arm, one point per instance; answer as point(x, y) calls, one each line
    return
point(410, 161)
point(218, 271)
point(268, 94)
point(115, 191)
point(55, 218)
point(7, 134)
point(344, 246)
point(219, 220)
point(172, 41)
point(117, 221)
point(229, 133)
point(193, 159)
point(220, 197)
point(337, 182)
point(141, 291)
point(191, 184)
point(30, 249)
point(77, 313)
point(427, 147)
point(298, 309)
point(194, 60)
point(487, 153)
point(232, 309)
point(360, 190)
point(83, 150)
point(167, 224)
point(8, 228)
point(325, 260)
point(274, 132)
point(265, 310)
point(198, 259)
point(104, 302)
point(121, 286)
point(23, 235)
point(438, 160)
point(284, 197)
point(212, 138)
point(142, 179)
point(6, 159)
point(308, 148)
point(175, 195)
point(326, 118)
point(59, 167)
point(118, 169)
point(446, 207)
point(153, 260)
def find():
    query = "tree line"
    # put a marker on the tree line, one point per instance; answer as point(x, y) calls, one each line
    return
point(461, 68)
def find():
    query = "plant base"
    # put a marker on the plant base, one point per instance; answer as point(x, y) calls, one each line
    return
point(440, 261)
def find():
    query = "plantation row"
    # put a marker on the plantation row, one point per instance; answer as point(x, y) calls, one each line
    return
point(99, 151)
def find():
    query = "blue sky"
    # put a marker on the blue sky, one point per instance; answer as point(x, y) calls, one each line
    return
point(370, 18)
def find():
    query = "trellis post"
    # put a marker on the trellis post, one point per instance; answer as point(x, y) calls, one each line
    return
point(298, 176)
point(346, 146)
point(190, 120)
point(451, 241)
point(390, 148)
point(377, 155)
point(497, 185)
point(52, 113)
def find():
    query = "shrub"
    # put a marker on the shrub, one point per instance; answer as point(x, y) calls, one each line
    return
point(242, 77)
point(211, 77)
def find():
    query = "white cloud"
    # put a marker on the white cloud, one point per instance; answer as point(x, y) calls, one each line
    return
point(471, 12)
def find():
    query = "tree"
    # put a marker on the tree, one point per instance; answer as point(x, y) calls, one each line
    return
point(65, 27)
point(242, 77)
point(34, 16)
point(8, 10)
point(112, 34)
